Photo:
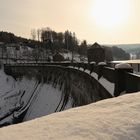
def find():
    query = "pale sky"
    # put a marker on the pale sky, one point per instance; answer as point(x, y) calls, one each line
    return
point(103, 21)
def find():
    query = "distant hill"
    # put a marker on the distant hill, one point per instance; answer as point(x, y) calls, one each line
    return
point(125, 47)
point(7, 37)
point(129, 47)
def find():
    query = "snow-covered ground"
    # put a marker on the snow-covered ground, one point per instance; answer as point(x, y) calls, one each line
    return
point(26, 93)
point(47, 101)
point(19, 95)
point(111, 119)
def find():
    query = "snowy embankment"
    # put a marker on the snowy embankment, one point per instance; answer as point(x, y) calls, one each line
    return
point(111, 119)
point(27, 96)
point(44, 91)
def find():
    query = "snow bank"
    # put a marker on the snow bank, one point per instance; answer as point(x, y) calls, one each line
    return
point(9, 96)
point(45, 102)
point(111, 119)
point(17, 96)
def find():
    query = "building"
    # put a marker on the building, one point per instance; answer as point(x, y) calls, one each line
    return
point(96, 53)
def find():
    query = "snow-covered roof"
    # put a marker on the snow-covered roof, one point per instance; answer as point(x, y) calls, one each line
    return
point(102, 63)
point(95, 45)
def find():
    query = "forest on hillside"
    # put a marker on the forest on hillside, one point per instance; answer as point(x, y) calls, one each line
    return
point(59, 41)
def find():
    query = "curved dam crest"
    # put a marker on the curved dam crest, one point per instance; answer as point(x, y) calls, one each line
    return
point(38, 91)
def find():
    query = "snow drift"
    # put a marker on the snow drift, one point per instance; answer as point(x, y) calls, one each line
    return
point(111, 119)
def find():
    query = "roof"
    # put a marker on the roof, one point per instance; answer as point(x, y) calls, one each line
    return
point(95, 45)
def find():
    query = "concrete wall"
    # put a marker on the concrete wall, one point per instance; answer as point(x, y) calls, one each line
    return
point(80, 86)
point(77, 86)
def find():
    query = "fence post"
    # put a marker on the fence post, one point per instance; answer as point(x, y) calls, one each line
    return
point(120, 77)
point(91, 66)
point(101, 65)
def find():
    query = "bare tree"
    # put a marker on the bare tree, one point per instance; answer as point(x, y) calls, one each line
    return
point(33, 34)
point(38, 34)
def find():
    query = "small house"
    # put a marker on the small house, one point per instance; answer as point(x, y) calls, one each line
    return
point(58, 57)
point(96, 53)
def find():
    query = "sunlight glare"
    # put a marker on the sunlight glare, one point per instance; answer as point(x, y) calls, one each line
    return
point(110, 13)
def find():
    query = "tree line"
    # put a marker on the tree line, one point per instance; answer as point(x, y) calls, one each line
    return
point(57, 41)
point(47, 38)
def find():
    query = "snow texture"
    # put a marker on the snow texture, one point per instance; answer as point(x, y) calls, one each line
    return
point(123, 66)
point(104, 82)
point(102, 63)
point(45, 102)
point(111, 119)
point(107, 85)
point(19, 95)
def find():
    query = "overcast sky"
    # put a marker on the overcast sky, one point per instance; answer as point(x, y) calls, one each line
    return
point(20, 16)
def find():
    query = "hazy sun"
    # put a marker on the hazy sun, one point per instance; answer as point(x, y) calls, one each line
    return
point(110, 13)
